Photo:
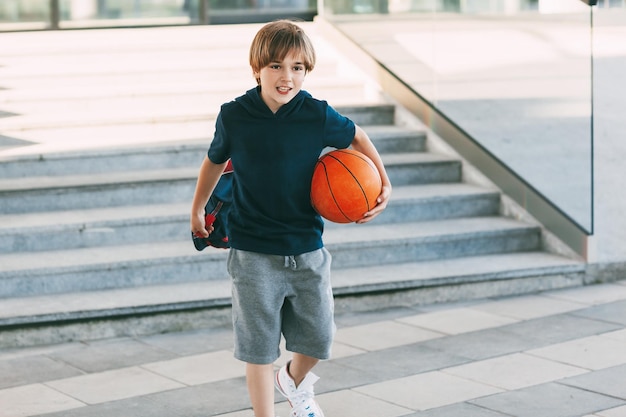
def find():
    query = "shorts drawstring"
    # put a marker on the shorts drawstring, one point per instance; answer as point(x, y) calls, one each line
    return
point(290, 262)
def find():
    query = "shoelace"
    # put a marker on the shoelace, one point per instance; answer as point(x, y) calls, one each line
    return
point(300, 402)
point(303, 410)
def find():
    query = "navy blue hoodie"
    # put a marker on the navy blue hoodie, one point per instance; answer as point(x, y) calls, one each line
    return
point(273, 155)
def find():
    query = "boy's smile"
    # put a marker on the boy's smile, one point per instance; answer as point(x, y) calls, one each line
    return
point(281, 81)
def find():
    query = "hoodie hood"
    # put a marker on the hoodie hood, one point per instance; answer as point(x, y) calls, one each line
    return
point(256, 107)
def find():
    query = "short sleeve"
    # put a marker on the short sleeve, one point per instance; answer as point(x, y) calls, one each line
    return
point(338, 130)
point(219, 151)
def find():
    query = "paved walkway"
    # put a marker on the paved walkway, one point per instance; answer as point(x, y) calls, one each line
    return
point(554, 354)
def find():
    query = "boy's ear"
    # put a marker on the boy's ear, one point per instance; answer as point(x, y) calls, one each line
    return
point(257, 76)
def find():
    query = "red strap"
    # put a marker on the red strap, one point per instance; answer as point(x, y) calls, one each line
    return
point(229, 167)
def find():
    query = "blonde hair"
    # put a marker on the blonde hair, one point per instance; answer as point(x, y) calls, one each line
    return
point(274, 41)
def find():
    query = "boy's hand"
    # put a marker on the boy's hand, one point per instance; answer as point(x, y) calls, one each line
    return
point(199, 226)
point(382, 200)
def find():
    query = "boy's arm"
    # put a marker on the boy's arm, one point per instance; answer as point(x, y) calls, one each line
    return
point(207, 180)
point(363, 144)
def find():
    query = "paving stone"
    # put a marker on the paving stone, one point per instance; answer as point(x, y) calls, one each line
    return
point(204, 400)
point(427, 390)
point(592, 294)
point(199, 369)
point(348, 319)
point(113, 385)
point(352, 403)
point(401, 361)
point(193, 342)
point(108, 354)
point(388, 334)
point(482, 344)
point(30, 369)
point(457, 320)
point(131, 407)
point(528, 307)
point(243, 413)
point(198, 401)
point(547, 400)
point(558, 328)
point(515, 371)
point(613, 412)
point(617, 335)
point(458, 410)
point(613, 312)
point(610, 381)
point(339, 350)
point(335, 377)
point(595, 352)
point(33, 399)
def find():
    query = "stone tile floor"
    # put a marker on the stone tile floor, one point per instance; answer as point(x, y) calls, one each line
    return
point(554, 354)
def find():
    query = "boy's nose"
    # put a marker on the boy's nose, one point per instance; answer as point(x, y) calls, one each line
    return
point(286, 74)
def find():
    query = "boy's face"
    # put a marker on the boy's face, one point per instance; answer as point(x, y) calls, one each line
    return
point(281, 81)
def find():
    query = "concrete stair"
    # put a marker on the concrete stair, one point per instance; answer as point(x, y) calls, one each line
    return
point(94, 238)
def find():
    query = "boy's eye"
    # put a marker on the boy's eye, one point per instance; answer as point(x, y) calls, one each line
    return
point(298, 68)
point(275, 66)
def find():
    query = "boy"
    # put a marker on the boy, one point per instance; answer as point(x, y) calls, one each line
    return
point(279, 267)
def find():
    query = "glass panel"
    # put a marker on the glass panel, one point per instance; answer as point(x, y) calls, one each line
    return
point(35, 14)
point(609, 76)
point(248, 11)
point(90, 13)
point(515, 75)
point(262, 5)
point(24, 14)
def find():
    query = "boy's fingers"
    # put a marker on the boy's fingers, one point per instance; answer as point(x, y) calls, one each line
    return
point(201, 233)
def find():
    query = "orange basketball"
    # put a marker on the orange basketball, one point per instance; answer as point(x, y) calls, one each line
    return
point(345, 186)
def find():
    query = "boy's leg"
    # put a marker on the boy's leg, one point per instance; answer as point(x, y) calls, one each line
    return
point(300, 366)
point(260, 380)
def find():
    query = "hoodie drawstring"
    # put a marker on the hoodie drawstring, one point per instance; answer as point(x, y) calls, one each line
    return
point(290, 262)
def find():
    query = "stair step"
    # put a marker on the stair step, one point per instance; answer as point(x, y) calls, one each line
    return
point(187, 153)
point(166, 155)
point(404, 283)
point(46, 193)
point(438, 273)
point(427, 202)
point(93, 227)
point(352, 245)
point(125, 266)
point(96, 134)
point(115, 302)
point(35, 93)
point(409, 168)
point(41, 194)
point(157, 106)
point(97, 227)
point(396, 139)
point(422, 241)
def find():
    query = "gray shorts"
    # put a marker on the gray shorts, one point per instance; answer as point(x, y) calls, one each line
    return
point(275, 294)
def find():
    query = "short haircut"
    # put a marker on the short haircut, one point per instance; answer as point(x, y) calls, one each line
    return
point(275, 40)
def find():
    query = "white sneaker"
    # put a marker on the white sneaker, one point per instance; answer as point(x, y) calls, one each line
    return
point(300, 398)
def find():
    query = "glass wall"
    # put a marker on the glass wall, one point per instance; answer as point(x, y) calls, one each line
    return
point(24, 14)
point(62, 14)
point(81, 13)
point(514, 75)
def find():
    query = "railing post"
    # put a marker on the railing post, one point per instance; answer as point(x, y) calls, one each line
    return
point(55, 14)
point(203, 12)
